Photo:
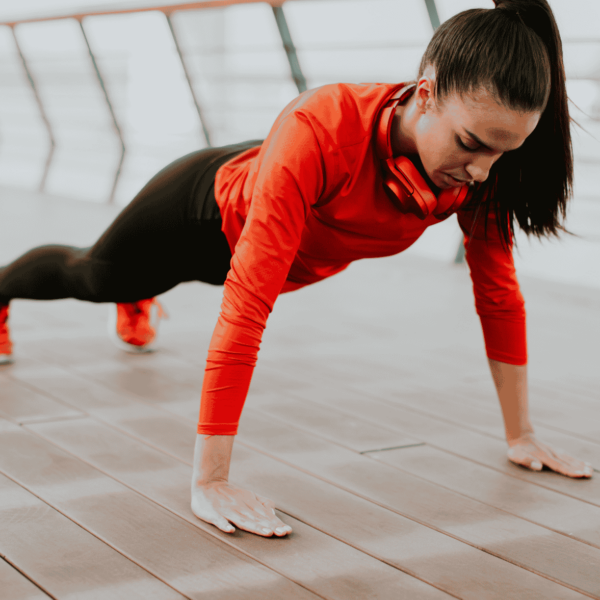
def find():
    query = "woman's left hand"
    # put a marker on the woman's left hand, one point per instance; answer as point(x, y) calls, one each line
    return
point(529, 452)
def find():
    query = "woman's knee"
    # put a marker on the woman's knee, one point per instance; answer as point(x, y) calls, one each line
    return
point(87, 278)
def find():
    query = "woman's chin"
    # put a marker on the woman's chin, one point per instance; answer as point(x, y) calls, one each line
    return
point(443, 182)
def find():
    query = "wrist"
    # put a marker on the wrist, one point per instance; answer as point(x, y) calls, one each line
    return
point(212, 457)
point(524, 435)
point(199, 483)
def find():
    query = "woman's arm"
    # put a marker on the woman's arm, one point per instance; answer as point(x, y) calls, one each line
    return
point(218, 502)
point(525, 449)
point(511, 385)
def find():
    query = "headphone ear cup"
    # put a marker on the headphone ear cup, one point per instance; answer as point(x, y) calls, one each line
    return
point(451, 200)
point(405, 181)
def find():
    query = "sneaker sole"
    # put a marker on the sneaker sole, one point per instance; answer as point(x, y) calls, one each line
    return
point(118, 342)
point(6, 359)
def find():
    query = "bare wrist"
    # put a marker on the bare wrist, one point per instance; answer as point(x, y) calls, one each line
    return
point(212, 457)
point(523, 435)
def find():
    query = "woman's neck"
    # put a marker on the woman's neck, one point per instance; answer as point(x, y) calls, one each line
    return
point(402, 139)
point(401, 135)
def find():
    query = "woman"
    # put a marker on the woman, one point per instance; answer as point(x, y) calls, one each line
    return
point(348, 172)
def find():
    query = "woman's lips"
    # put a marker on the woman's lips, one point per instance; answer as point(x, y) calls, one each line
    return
point(457, 182)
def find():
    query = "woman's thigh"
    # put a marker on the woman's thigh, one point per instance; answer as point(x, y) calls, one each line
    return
point(201, 253)
point(149, 228)
point(159, 224)
point(160, 238)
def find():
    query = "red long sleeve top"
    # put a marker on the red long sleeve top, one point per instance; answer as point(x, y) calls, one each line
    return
point(304, 205)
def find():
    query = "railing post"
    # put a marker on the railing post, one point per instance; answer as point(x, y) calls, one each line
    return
point(290, 49)
point(41, 109)
point(112, 113)
point(189, 81)
point(460, 252)
point(434, 17)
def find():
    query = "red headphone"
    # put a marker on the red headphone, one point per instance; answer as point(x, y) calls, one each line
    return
point(402, 177)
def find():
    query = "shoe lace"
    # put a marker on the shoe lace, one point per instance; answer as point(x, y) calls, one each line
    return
point(161, 312)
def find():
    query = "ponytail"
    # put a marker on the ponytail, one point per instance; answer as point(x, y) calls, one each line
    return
point(515, 52)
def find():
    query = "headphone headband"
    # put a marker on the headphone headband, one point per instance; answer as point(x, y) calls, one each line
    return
point(384, 121)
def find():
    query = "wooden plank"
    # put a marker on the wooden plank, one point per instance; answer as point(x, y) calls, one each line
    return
point(547, 407)
point(585, 396)
point(186, 558)
point(328, 422)
point(64, 559)
point(417, 388)
point(435, 430)
point(21, 404)
point(16, 586)
point(450, 380)
point(457, 568)
point(344, 401)
point(569, 428)
point(450, 564)
point(443, 406)
point(482, 413)
point(556, 511)
point(574, 518)
point(518, 541)
point(323, 564)
point(138, 378)
point(466, 442)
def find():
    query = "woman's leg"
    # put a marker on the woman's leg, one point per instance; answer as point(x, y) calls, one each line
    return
point(149, 248)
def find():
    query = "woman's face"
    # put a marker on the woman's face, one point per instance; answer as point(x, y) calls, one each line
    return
point(461, 140)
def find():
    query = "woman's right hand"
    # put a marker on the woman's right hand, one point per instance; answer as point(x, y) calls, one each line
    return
point(222, 503)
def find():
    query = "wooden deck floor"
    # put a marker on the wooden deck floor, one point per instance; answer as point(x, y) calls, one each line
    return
point(372, 423)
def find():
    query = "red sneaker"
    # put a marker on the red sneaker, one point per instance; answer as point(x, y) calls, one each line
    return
point(5, 343)
point(130, 325)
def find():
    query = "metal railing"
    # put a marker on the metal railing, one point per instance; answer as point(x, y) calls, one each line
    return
point(168, 11)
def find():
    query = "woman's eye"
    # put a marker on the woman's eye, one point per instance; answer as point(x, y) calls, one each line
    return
point(463, 145)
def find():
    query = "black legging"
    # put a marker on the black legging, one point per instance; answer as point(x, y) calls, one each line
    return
point(169, 233)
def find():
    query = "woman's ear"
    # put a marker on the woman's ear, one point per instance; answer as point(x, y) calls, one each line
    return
point(425, 90)
point(424, 99)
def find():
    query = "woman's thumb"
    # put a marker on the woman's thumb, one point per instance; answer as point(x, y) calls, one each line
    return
point(224, 525)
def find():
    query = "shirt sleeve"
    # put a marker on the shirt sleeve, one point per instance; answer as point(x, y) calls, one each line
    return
point(498, 299)
point(289, 181)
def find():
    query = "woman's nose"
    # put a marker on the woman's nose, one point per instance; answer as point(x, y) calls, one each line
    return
point(479, 168)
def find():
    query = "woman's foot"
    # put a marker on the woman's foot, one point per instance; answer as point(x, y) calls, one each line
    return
point(130, 326)
point(5, 342)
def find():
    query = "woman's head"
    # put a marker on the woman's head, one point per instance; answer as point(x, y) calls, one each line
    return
point(501, 72)
point(462, 137)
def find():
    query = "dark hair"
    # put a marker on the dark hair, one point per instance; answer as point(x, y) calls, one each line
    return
point(515, 52)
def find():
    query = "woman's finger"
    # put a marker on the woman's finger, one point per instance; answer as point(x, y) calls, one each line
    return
point(255, 527)
point(535, 465)
point(224, 525)
point(265, 501)
point(567, 465)
point(283, 530)
point(208, 514)
point(244, 518)
point(265, 526)
point(520, 457)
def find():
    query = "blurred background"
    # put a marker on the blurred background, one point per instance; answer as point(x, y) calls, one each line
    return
point(96, 96)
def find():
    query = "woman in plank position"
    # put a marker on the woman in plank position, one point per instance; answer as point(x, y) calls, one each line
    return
point(348, 171)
